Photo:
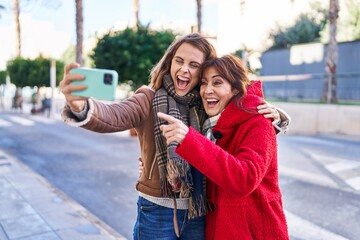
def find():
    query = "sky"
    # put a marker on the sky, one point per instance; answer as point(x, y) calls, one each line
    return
point(48, 26)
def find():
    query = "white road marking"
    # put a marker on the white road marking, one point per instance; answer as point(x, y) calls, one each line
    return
point(122, 134)
point(336, 165)
point(342, 165)
point(43, 119)
point(307, 176)
point(354, 182)
point(4, 123)
point(303, 229)
point(22, 121)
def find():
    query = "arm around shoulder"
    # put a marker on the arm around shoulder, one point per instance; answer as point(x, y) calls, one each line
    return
point(285, 120)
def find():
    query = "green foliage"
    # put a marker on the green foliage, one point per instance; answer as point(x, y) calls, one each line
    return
point(306, 29)
point(26, 72)
point(239, 53)
point(132, 53)
point(348, 27)
point(69, 56)
point(2, 77)
point(354, 17)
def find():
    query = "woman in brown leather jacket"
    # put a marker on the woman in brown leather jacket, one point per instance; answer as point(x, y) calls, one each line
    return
point(172, 201)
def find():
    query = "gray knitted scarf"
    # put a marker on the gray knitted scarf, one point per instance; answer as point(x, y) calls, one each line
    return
point(208, 125)
point(177, 177)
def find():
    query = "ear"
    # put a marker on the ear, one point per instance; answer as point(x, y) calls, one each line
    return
point(235, 92)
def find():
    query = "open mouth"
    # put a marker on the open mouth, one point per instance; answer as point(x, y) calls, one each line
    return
point(182, 82)
point(211, 102)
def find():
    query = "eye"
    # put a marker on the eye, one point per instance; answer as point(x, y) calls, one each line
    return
point(194, 65)
point(217, 82)
point(203, 82)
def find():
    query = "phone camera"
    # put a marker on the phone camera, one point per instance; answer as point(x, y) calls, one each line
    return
point(108, 79)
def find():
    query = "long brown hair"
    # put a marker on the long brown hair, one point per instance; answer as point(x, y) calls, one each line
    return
point(163, 66)
point(232, 69)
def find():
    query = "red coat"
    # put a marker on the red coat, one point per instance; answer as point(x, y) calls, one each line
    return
point(242, 172)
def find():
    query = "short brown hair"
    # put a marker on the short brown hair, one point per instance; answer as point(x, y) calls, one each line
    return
point(232, 69)
point(163, 66)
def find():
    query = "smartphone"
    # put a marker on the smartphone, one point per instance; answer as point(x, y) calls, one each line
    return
point(101, 83)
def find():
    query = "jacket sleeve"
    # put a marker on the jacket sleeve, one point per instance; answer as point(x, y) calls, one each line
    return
point(105, 118)
point(285, 120)
point(241, 172)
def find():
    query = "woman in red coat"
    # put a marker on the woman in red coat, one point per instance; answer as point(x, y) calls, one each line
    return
point(238, 154)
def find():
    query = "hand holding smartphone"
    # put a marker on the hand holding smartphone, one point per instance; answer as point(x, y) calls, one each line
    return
point(101, 83)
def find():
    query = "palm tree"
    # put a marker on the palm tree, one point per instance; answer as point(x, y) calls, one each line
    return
point(329, 90)
point(17, 26)
point(79, 31)
point(1, 8)
point(136, 11)
point(199, 13)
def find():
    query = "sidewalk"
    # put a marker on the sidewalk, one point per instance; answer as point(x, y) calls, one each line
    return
point(32, 209)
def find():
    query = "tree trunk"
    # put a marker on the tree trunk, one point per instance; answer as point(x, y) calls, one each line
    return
point(79, 31)
point(199, 11)
point(17, 26)
point(136, 11)
point(329, 90)
point(1, 9)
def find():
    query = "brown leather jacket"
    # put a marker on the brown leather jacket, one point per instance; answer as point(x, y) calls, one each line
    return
point(134, 112)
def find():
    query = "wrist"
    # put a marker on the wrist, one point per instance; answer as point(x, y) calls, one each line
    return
point(77, 108)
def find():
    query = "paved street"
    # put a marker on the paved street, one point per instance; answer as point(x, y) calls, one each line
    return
point(319, 175)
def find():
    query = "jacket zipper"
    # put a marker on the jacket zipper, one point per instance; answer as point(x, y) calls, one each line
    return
point(151, 169)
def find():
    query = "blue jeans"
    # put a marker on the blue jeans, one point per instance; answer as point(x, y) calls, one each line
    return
point(156, 222)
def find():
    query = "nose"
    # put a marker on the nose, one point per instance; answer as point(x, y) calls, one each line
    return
point(209, 89)
point(185, 68)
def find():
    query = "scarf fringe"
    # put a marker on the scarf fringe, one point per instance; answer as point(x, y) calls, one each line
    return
point(165, 187)
point(197, 207)
point(179, 177)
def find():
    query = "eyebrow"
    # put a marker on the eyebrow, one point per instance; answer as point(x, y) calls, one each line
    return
point(214, 76)
point(218, 75)
point(183, 60)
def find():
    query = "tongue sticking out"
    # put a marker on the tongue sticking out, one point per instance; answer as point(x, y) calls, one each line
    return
point(182, 84)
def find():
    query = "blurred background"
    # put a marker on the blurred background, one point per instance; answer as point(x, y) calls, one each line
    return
point(306, 52)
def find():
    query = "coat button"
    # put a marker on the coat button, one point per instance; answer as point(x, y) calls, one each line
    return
point(217, 134)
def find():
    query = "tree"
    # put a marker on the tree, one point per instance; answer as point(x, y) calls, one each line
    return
point(132, 53)
point(26, 72)
point(348, 26)
point(306, 29)
point(136, 12)
point(329, 90)
point(17, 26)
point(16, 9)
point(2, 77)
point(353, 20)
point(1, 9)
point(79, 31)
point(199, 15)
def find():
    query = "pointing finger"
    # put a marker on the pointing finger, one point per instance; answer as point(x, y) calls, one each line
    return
point(166, 117)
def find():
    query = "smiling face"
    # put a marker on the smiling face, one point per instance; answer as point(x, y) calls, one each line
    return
point(215, 92)
point(185, 68)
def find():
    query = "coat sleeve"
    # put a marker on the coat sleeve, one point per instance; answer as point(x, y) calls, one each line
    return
point(240, 172)
point(105, 118)
point(285, 121)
